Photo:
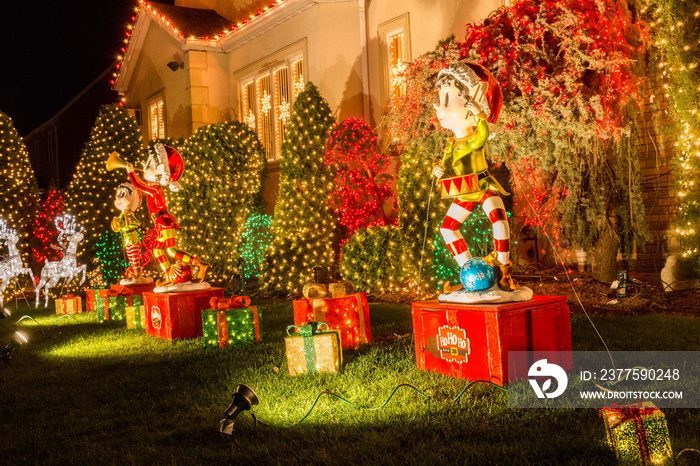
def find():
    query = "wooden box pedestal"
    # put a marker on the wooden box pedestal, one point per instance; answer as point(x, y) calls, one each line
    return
point(177, 315)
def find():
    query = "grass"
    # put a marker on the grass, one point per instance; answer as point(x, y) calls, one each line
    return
point(88, 393)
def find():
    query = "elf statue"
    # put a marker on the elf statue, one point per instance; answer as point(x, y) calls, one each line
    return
point(164, 166)
point(469, 99)
point(128, 200)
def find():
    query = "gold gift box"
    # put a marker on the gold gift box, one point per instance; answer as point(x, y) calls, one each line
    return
point(326, 348)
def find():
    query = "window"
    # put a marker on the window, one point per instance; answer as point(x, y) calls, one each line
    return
point(156, 118)
point(266, 101)
point(395, 45)
point(51, 143)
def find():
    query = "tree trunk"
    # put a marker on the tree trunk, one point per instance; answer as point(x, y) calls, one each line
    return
point(604, 256)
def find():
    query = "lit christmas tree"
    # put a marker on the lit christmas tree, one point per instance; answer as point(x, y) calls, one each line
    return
point(361, 179)
point(674, 26)
point(221, 187)
point(19, 195)
point(303, 228)
point(44, 228)
point(90, 195)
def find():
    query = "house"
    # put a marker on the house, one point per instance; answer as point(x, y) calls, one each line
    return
point(199, 62)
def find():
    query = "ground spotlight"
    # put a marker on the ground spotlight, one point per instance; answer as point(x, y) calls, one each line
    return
point(243, 399)
point(5, 313)
point(17, 340)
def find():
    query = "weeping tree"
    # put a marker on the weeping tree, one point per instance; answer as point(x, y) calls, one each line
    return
point(567, 129)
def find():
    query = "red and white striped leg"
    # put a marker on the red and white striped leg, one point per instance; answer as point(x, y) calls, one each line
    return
point(456, 215)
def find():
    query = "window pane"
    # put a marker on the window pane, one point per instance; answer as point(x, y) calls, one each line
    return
point(281, 75)
point(396, 65)
point(249, 104)
point(265, 128)
point(298, 76)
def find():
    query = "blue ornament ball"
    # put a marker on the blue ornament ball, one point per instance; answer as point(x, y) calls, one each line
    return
point(477, 275)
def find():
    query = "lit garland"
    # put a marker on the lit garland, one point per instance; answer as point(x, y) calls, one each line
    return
point(361, 179)
point(303, 228)
point(19, 195)
point(44, 229)
point(257, 236)
point(222, 185)
point(90, 195)
point(675, 28)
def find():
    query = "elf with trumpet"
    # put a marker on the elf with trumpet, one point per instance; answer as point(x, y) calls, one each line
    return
point(164, 166)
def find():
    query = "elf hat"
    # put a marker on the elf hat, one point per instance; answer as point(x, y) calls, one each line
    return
point(173, 166)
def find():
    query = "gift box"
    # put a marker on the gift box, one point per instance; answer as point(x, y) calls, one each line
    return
point(69, 305)
point(347, 313)
point(637, 434)
point(230, 321)
point(473, 341)
point(313, 347)
point(177, 315)
point(91, 297)
point(111, 303)
point(136, 316)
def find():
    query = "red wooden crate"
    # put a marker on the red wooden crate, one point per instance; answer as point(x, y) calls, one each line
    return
point(177, 315)
point(472, 341)
point(348, 314)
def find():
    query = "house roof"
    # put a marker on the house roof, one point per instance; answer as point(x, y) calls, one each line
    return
point(189, 22)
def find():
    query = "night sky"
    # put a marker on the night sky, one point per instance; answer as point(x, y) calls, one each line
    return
point(51, 50)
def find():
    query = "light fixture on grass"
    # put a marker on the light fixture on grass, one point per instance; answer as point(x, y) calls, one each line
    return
point(17, 340)
point(243, 399)
point(5, 313)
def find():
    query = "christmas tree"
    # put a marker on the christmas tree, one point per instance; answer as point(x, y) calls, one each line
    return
point(222, 186)
point(19, 195)
point(303, 228)
point(90, 195)
point(44, 228)
point(675, 33)
point(361, 179)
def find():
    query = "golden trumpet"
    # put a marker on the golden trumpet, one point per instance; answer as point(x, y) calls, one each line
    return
point(114, 162)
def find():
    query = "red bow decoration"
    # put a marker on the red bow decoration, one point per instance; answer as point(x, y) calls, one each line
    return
point(118, 290)
point(234, 302)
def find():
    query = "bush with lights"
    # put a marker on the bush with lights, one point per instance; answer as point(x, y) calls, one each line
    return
point(373, 259)
point(674, 25)
point(361, 179)
point(566, 130)
point(221, 187)
point(303, 228)
point(90, 194)
point(44, 228)
point(256, 238)
point(19, 194)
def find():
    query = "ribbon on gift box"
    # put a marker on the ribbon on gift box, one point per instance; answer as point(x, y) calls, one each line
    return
point(307, 331)
point(118, 290)
point(234, 302)
point(632, 413)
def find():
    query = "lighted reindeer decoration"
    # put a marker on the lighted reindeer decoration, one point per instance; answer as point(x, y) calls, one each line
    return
point(67, 267)
point(12, 266)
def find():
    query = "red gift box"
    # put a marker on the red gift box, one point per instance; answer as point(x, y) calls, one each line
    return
point(472, 341)
point(177, 315)
point(348, 314)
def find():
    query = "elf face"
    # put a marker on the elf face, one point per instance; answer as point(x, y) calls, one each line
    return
point(127, 198)
point(151, 168)
point(451, 109)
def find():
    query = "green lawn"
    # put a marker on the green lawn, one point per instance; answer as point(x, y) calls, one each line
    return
point(84, 392)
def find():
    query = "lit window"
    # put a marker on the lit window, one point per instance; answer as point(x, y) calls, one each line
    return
point(266, 102)
point(156, 119)
point(282, 111)
point(397, 85)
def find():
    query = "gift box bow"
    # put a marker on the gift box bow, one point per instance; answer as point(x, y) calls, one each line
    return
point(309, 329)
point(234, 302)
point(627, 412)
point(118, 290)
point(319, 290)
point(70, 296)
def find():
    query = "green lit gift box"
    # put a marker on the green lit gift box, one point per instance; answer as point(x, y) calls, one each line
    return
point(136, 316)
point(637, 434)
point(312, 348)
point(112, 303)
point(231, 321)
